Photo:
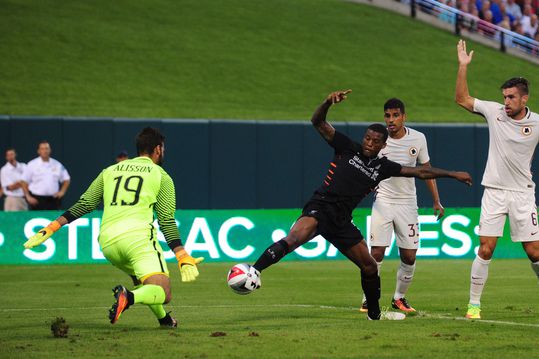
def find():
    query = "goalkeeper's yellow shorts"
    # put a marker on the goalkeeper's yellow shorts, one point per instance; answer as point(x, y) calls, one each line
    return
point(137, 257)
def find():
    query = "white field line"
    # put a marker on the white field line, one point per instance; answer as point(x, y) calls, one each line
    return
point(421, 316)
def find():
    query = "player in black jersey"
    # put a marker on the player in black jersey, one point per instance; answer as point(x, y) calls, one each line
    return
point(354, 172)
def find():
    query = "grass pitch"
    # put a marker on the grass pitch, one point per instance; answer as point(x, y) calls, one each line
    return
point(239, 59)
point(304, 310)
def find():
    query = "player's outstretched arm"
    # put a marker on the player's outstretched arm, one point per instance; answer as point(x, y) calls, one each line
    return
point(44, 233)
point(424, 172)
point(462, 95)
point(319, 117)
point(86, 203)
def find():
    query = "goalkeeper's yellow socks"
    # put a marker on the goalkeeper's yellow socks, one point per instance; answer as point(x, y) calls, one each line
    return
point(149, 294)
point(158, 310)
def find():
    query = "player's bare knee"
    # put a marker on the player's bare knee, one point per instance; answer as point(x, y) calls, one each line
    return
point(378, 253)
point(369, 270)
point(532, 250)
point(485, 252)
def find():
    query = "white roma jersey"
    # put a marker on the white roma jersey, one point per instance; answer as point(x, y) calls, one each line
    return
point(409, 151)
point(511, 147)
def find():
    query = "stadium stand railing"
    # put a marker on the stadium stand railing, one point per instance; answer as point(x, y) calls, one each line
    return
point(462, 24)
point(463, 21)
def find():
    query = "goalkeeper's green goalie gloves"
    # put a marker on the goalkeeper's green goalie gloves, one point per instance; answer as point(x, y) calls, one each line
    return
point(187, 265)
point(42, 235)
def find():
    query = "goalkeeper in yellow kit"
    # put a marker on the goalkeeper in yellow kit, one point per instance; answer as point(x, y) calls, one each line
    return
point(131, 191)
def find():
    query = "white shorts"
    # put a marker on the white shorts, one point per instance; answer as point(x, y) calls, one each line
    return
point(387, 218)
point(497, 204)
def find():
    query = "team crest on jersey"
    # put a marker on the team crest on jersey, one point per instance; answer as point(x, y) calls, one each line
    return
point(413, 151)
point(526, 130)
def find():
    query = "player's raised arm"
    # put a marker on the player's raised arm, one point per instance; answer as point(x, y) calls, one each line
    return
point(462, 95)
point(319, 117)
point(425, 172)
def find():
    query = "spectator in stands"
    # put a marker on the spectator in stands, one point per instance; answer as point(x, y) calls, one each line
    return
point(533, 4)
point(122, 156)
point(525, 20)
point(485, 25)
point(11, 179)
point(531, 28)
point(506, 15)
point(497, 16)
point(483, 7)
point(513, 9)
point(45, 180)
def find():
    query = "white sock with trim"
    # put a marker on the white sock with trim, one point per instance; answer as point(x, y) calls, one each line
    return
point(405, 274)
point(478, 278)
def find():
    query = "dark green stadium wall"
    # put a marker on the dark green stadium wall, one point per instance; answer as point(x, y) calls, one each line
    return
point(220, 164)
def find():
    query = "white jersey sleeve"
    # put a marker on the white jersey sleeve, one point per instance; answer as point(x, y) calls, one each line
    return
point(408, 151)
point(511, 147)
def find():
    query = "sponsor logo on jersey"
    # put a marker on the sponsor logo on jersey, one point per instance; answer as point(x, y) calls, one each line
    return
point(526, 130)
point(413, 151)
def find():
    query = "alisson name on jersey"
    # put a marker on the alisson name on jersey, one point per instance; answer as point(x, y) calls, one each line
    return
point(132, 168)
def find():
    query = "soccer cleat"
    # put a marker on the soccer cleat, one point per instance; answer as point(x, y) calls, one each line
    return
point(168, 322)
point(474, 311)
point(364, 308)
point(253, 279)
point(385, 314)
point(402, 304)
point(121, 305)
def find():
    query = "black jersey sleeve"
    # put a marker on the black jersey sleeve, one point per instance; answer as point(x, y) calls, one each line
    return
point(389, 168)
point(341, 142)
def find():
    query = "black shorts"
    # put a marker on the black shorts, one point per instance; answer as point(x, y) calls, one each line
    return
point(334, 223)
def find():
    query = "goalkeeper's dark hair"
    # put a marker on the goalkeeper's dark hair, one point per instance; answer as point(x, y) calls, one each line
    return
point(376, 127)
point(393, 103)
point(520, 83)
point(148, 139)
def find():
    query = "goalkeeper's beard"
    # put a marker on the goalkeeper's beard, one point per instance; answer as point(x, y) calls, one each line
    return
point(160, 160)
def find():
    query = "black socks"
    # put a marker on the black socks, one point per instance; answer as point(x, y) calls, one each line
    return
point(371, 288)
point(272, 255)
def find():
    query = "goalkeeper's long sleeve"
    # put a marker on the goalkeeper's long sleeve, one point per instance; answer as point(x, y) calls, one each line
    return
point(88, 202)
point(165, 207)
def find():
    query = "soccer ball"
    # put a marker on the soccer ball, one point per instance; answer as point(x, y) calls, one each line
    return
point(237, 278)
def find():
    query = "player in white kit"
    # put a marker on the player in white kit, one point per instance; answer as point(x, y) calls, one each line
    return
point(509, 189)
point(395, 204)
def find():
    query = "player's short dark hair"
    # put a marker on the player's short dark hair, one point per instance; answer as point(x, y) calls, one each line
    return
point(9, 149)
point(394, 103)
point(519, 82)
point(148, 139)
point(376, 127)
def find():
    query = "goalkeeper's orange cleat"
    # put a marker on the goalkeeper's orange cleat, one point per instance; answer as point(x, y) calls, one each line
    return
point(121, 305)
point(402, 304)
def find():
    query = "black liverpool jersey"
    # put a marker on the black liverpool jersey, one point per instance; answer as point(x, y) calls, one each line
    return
point(351, 175)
